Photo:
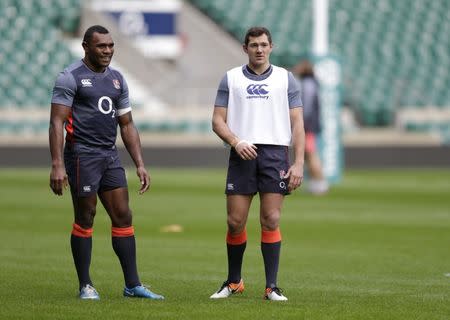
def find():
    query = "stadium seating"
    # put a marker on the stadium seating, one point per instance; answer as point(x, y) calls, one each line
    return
point(394, 53)
point(31, 50)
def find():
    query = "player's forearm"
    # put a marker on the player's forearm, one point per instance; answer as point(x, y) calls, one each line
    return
point(298, 144)
point(298, 136)
point(56, 141)
point(132, 142)
point(222, 130)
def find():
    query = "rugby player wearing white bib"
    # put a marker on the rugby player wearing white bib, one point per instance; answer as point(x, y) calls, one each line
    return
point(258, 112)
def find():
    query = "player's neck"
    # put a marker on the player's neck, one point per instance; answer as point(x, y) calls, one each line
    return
point(259, 69)
point(93, 68)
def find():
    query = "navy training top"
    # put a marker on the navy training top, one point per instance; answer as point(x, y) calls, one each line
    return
point(96, 100)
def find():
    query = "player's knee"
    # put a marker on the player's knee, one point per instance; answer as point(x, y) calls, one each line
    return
point(127, 220)
point(235, 224)
point(85, 219)
point(270, 221)
point(123, 218)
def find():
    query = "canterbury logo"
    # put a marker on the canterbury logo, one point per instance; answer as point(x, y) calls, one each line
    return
point(86, 82)
point(257, 89)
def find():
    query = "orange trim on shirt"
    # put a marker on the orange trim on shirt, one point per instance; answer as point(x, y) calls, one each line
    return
point(270, 236)
point(80, 232)
point(237, 239)
point(122, 232)
point(69, 128)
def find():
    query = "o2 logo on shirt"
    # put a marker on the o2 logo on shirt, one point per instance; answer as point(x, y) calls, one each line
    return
point(106, 101)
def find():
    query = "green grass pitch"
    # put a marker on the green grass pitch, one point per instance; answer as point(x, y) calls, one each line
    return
point(376, 247)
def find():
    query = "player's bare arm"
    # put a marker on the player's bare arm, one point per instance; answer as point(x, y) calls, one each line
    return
point(58, 176)
point(244, 149)
point(132, 142)
point(295, 172)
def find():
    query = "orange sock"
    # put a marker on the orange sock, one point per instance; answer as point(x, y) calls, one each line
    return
point(122, 232)
point(270, 236)
point(80, 232)
point(237, 239)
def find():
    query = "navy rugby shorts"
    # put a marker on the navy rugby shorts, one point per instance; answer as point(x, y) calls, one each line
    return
point(91, 169)
point(263, 174)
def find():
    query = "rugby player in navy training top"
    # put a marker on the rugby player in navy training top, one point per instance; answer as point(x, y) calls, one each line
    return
point(90, 99)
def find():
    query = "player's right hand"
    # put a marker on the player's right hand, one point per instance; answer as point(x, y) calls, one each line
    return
point(58, 180)
point(246, 150)
point(144, 179)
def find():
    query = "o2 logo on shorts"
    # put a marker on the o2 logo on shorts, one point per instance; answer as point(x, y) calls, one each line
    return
point(106, 101)
point(282, 183)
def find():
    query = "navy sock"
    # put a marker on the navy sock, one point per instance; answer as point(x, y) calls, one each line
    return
point(125, 249)
point(271, 255)
point(81, 252)
point(235, 257)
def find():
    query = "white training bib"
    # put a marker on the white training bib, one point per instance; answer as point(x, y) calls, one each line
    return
point(258, 111)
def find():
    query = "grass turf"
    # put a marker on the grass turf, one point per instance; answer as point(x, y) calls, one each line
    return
point(375, 247)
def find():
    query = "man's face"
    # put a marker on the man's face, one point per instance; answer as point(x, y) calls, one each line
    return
point(258, 50)
point(99, 50)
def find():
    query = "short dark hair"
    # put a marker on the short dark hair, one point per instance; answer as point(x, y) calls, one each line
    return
point(91, 30)
point(256, 32)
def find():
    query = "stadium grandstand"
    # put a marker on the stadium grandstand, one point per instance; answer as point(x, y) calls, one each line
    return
point(31, 53)
point(395, 59)
point(395, 54)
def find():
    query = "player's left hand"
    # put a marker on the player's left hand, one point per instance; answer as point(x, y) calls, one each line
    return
point(58, 180)
point(144, 178)
point(295, 176)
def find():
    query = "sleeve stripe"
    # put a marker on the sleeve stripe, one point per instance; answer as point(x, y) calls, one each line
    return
point(121, 112)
